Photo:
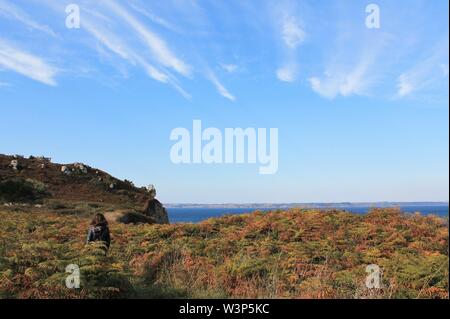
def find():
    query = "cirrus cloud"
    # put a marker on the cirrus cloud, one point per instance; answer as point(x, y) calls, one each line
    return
point(14, 59)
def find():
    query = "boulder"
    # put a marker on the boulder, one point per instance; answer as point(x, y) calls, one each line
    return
point(65, 170)
point(151, 190)
point(155, 210)
point(42, 159)
point(14, 165)
point(81, 168)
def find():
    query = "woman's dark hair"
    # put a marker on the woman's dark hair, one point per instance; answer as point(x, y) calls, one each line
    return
point(99, 219)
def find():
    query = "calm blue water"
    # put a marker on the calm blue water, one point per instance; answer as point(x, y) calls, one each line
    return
point(195, 215)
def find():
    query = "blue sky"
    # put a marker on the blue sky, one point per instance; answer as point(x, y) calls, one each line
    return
point(362, 113)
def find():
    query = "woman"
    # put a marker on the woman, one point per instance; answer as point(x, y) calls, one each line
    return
point(99, 231)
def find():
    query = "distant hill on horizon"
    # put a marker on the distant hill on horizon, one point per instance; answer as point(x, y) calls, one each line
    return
point(37, 179)
point(308, 205)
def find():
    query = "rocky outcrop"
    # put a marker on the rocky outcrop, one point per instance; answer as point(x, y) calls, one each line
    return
point(14, 165)
point(38, 179)
point(73, 182)
point(156, 211)
point(153, 212)
point(65, 170)
point(81, 168)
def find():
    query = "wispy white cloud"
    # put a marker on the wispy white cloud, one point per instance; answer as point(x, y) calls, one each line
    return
point(114, 37)
point(404, 86)
point(396, 61)
point(230, 68)
point(426, 74)
point(355, 61)
point(123, 40)
point(153, 17)
point(121, 48)
point(287, 73)
point(31, 66)
point(156, 44)
point(108, 39)
point(345, 80)
point(11, 11)
point(292, 32)
point(219, 86)
point(153, 72)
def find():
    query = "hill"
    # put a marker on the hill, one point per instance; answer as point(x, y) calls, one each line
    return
point(290, 254)
point(37, 180)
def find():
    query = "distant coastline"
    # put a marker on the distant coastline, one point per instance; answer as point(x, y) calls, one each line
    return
point(308, 205)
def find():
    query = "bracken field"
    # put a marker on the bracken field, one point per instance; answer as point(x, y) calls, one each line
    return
point(293, 254)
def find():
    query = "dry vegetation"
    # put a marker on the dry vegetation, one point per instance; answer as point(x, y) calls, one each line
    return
point(39, 181)
point(294, 254)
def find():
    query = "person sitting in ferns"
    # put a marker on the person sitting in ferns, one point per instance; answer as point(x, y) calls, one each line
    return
point(99, 230)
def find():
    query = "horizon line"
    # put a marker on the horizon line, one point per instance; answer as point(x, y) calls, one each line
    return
point(317, 203)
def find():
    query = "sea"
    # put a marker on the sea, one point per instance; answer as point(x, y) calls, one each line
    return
point(196, 215)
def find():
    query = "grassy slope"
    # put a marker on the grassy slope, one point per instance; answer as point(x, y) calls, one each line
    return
point(294, 254)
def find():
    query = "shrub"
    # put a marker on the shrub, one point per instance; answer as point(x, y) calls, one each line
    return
point(18, 190)
point(135, 218)
point(294, 254)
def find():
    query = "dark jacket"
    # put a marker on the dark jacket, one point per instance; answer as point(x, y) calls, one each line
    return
point(99, 232)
